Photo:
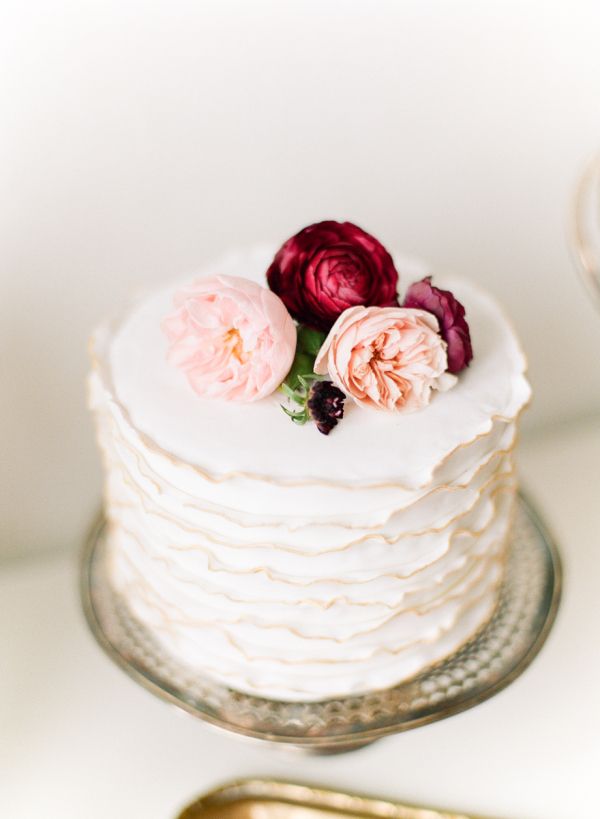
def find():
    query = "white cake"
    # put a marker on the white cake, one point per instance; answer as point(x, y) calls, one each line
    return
point(292, 565)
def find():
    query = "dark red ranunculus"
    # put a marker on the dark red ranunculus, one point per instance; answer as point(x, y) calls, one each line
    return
point(451, 316)
point(328, 267)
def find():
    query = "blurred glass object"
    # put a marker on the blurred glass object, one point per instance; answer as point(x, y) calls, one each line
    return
point(586, 228)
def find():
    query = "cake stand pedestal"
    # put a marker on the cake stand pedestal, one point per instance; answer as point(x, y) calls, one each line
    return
point(485, 665)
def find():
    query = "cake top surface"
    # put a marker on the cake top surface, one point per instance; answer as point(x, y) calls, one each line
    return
point(257, 439)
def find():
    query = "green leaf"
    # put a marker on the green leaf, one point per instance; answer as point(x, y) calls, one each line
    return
point(300, 421)
point(291, 394)
point(306, 380)
point(300, 417)
point(296, 386)
point(310, 341)
point(302, 365)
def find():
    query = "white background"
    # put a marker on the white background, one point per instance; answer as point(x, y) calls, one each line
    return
point(140, 139)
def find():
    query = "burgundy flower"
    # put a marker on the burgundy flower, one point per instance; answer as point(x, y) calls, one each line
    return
point(451, 317)
point(325, 405)
point(328, 267)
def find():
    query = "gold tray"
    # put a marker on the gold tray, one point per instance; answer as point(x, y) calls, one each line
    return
point(260, 799)
point(491, 660)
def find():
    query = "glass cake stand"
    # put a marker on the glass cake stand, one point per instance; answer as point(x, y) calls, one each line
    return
point(585, 228)
point(490, 661)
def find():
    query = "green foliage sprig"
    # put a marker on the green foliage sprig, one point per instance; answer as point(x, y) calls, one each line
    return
point(301, 376)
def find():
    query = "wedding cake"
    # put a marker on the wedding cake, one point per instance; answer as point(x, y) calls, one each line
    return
point(278, 560)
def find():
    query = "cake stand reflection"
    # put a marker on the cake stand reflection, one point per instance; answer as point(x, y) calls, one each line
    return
point(585, 228)
point(489, 662)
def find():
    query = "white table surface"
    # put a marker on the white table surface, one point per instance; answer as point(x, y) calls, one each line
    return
point(80, 740)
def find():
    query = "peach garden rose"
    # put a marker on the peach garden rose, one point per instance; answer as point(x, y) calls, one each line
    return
point(233, 339)
point(388, 358)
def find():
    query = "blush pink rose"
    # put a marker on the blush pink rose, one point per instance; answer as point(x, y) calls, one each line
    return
point(388, 358)
point(232, 338)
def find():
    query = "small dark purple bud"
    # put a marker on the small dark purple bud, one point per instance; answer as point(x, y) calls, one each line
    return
point(325, 405)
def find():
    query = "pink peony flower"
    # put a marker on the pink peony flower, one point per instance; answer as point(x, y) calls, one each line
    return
point(386, 357)
point(328, 267)
point(451, 316)
point(232, 338)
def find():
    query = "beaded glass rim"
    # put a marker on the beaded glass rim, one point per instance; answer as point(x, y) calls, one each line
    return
point(487, 663)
